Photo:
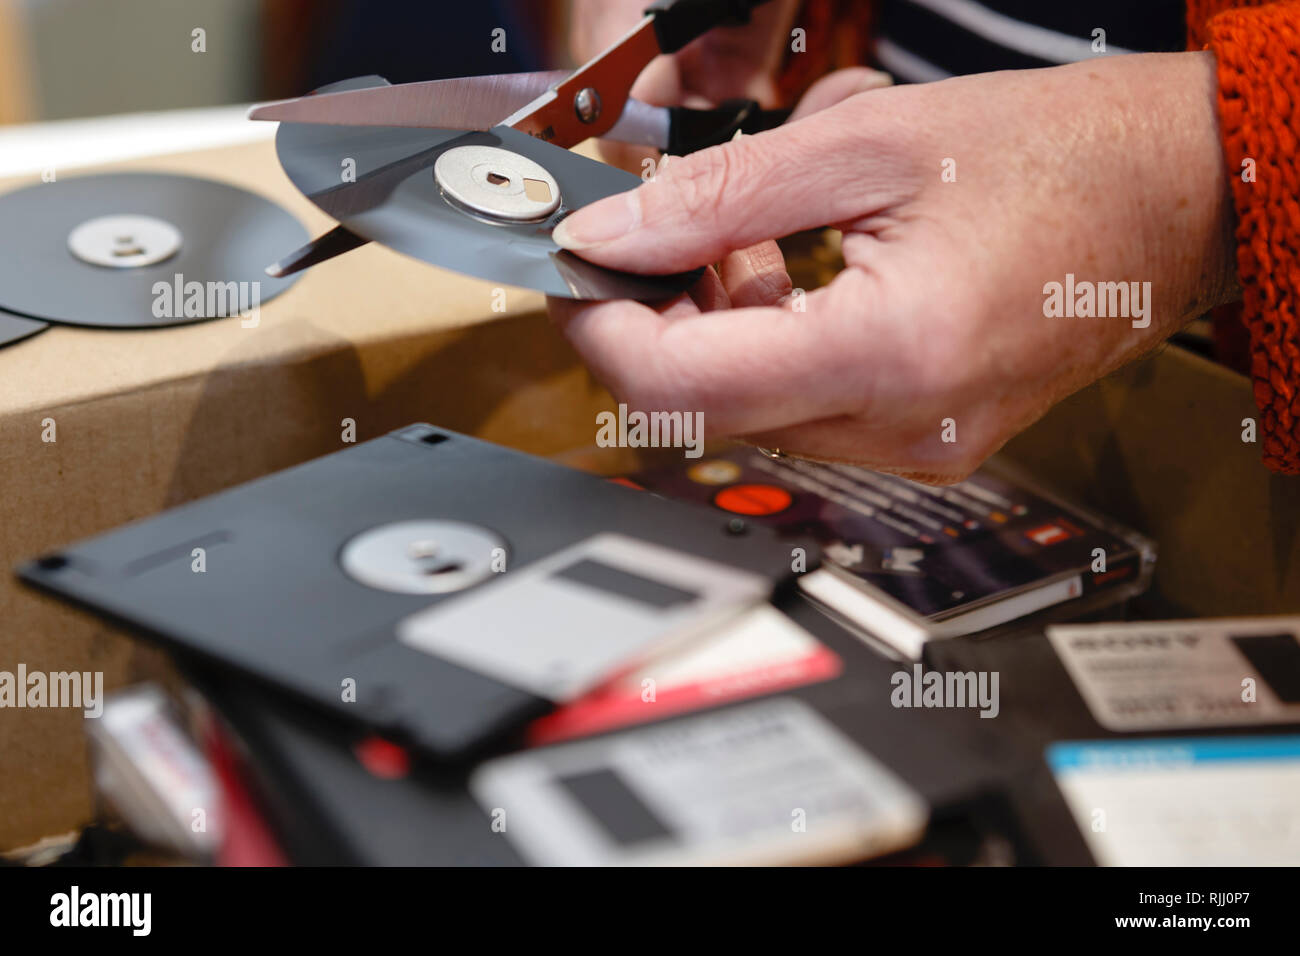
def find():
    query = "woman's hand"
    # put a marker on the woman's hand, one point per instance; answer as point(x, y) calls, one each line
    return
point(960, 203)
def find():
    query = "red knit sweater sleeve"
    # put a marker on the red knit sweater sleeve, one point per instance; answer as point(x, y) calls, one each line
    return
point(1258, 50)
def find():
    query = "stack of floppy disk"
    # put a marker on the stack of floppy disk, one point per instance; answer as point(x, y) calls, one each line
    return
point(426, 649)
point(429, 649)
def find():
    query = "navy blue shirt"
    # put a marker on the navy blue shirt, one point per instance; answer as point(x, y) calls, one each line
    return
point(920, 40)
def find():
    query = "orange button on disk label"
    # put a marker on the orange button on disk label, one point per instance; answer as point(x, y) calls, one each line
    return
point(753, 499)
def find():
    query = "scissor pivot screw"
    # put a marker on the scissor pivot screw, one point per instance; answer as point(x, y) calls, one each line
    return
point(586, 103)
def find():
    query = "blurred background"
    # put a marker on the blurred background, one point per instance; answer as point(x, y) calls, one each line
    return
point(61, 59)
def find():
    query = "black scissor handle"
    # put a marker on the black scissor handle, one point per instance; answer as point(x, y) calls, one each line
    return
point(691, 129)
point(678, 22)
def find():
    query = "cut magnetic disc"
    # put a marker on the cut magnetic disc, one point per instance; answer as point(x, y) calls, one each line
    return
point(137, 250)
point(15, 328)
point(480, 203)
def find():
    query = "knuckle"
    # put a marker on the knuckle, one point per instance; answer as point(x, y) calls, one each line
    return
point(768, 268)
point(701, 180)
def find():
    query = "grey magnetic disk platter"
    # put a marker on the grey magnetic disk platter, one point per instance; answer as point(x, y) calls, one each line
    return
point(479, 203)
point(15, 328)
point(137, 250)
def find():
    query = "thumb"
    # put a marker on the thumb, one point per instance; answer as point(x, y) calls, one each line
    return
point(699, 208)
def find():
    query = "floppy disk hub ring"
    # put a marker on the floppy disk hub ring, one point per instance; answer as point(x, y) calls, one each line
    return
point(423, 557)
point(496, 184)
point(124, 241)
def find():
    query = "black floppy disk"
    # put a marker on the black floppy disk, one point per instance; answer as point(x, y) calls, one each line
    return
point(437, 588)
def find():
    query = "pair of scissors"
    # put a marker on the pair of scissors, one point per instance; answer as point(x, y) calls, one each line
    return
point(561, 107)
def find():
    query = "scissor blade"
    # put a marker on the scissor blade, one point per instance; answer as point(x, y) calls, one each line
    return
point(333, 243)
point(469, 103)
point(553, 115)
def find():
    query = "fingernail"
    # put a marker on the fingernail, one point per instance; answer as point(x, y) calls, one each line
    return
point(600, 222)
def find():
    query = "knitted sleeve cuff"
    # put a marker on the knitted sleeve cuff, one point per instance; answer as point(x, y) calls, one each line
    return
point(1258, 52)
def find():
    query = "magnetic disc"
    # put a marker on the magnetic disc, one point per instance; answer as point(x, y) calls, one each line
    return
point(14, 328)
point(139, 250)
point(480, 203)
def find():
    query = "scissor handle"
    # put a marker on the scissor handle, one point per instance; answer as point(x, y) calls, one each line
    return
point(694, 129)
point(678, 22)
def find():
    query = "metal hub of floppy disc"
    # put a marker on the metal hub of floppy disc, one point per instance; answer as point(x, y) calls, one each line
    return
point(124, 242)
point(496, 184)
point(424, 557)
point(459, 588)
